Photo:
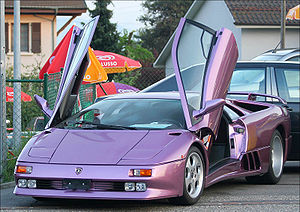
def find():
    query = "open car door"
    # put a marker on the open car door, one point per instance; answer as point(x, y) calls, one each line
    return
point(203, 61)
point(75, 66)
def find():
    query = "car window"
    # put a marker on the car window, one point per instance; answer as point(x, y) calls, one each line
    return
point(249, 80)
point(193, 39)
point(288, 84)
point(296, 58)
point(232, 114)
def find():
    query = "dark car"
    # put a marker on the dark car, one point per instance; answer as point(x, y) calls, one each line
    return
point(274, 78)
point(279, 55)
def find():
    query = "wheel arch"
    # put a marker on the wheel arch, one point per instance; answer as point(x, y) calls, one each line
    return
point(203, 151)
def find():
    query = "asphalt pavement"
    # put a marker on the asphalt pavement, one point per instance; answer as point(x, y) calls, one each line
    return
point(230, 195)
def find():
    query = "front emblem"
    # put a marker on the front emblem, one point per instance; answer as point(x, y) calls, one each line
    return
point(78, 170)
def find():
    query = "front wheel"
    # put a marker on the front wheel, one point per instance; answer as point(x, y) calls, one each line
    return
point(276, 162)
point(194, 176)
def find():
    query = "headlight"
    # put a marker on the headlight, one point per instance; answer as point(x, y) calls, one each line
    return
point(140, 187)
point(22, 183)
point(129, 186)
point(31, 183)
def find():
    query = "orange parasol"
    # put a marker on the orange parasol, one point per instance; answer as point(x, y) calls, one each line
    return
point(294, 13)
point(95, 73)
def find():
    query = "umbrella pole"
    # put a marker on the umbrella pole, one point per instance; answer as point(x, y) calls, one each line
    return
point(102, 88)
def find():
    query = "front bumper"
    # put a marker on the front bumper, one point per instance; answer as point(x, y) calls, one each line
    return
point(166, 181)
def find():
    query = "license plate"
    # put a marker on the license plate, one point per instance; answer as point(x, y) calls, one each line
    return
point(72, 184)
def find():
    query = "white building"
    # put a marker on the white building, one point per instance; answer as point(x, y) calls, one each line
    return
point(38, 28)
point(255, 24)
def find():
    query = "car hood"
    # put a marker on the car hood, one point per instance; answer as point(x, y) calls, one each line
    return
point(105, 147)
point(95, 147)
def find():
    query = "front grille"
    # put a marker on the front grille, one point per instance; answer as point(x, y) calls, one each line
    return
point(95, 185)
point(107, 186)
point(49, 184)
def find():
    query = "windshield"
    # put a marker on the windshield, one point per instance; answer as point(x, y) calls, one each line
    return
point(129, 114)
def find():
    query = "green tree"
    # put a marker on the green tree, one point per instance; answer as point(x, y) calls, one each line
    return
point(160, 21)
point(131, 47)
point(106, 35)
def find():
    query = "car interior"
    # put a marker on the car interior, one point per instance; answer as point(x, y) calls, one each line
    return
point(220, 148)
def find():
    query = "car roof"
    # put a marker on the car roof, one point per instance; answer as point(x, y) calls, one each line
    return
point(280, 54)
point(281, 51)
point(267, 62)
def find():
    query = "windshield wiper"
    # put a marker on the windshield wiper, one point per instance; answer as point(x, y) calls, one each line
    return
point(105, 126)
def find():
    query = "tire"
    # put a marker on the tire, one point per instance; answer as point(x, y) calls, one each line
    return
point(194, 178)
point(42, 199)
point(276, 162)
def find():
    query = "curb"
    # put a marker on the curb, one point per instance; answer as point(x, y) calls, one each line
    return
point(7, 185)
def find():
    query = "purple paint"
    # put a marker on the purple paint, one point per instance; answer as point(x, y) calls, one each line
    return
point(43, 104)
point(123, 88)
point(107, 156)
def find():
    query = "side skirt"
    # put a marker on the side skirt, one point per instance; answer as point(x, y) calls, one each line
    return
point(230, 168)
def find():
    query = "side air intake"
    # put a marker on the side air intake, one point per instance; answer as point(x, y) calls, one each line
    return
point(251, 161)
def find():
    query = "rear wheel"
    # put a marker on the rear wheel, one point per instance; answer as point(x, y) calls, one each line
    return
point(276, 162)
point(194, 176)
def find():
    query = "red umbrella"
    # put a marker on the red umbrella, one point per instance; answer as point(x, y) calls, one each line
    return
point(94, 73)
point(115, 63)
point(57, 60)
point(10, 95)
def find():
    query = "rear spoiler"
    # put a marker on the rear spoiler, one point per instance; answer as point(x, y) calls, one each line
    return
point(252, 96)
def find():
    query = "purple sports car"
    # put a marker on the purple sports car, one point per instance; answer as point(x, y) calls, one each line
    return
point(169, 143)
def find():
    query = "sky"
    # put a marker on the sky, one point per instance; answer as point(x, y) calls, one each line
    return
point(125, 14)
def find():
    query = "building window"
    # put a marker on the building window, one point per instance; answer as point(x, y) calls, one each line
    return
point(24, 37)
point(36, 37)
point(30, 34)
point(6, 37)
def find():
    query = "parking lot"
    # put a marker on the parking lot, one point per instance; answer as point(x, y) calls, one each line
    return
point(231, 195)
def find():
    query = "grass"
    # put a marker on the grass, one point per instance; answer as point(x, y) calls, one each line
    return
point(9, 167)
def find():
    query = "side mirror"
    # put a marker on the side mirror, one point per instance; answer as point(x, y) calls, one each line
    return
point(209, 106)
point(43, 104)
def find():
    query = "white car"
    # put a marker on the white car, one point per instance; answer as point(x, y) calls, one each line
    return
point(279, 55)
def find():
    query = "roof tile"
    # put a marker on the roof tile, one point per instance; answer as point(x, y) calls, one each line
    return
point(259, 12)
point(45, 4)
